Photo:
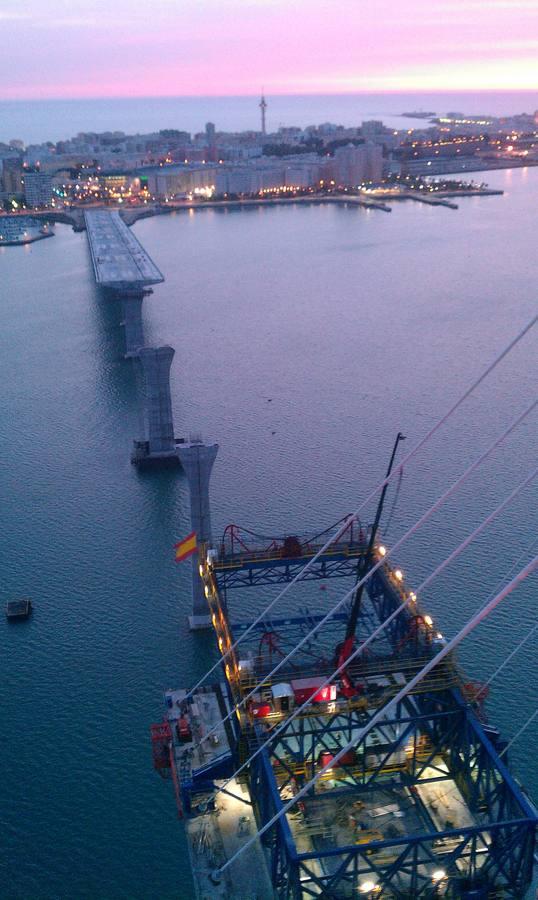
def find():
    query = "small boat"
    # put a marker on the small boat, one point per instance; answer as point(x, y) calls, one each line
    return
point(18, 609)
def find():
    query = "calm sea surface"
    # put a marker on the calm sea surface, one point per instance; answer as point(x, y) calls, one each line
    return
point(53, 120)
point(356, 324)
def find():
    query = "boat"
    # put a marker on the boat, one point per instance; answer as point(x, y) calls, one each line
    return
point(18, 609)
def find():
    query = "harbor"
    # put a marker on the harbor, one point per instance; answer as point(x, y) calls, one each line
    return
point(21, 230)
point(375, 199)
point(14, 229)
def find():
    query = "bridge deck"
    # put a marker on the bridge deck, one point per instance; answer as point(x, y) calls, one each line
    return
point(119, 260)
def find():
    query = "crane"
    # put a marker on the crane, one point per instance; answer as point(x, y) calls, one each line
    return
point(344, 650)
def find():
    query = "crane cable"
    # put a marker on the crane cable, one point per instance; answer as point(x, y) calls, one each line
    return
point(527, 636)
point(433, 509)
point(396, 470)
point(505, 662)
point(382, 712)
point(519, 733)
point(499, 669)
point(359, 650)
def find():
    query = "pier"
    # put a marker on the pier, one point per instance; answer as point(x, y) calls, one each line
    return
point(425, 198)
point(122, 266)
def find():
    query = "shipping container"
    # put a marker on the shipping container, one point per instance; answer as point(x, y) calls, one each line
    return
point(183, 730)
point(311, 689)
point(349, 758)
point(261, 710)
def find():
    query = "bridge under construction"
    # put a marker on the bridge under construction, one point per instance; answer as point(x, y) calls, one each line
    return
point(421, 804)
point(119, 259)
point(125, 271)
point(338, 749)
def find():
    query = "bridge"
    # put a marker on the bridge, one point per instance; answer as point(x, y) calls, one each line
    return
point(119, 260)
point(422, 805)
point(246, 559)
point(340, 749)
point(123, 268)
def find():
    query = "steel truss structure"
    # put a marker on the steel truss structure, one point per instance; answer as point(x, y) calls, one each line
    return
point(459, 824)
point(493, 855)
point(243, 562)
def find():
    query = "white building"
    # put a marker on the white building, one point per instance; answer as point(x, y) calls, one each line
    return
point(168, 181)
point(37, 189)
point(354, 165)
point(238, 180)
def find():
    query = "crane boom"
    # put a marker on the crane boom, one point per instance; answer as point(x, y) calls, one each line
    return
point(345, 649)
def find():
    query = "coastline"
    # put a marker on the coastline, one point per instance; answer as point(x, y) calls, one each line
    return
point(75, 215)
point(130, 216)
point(28, 240)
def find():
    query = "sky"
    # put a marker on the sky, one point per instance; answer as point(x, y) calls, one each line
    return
point(111, 48)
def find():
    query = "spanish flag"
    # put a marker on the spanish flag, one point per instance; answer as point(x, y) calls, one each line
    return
point(186, 547)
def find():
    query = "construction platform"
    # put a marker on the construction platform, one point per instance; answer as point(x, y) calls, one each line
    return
point(120, 262)
point(422, 804)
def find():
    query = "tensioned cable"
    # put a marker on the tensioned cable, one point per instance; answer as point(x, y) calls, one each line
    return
point(514, 565)
point(359, 650)
point(505, 662)
point(396, 470)
point(520, 732)
point(433, 509)
point(374, 568)
point(384, 710)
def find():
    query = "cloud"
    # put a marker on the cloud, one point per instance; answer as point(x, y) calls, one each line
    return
point(486, 6)
point(73, 22)
point(226, 46)
point(14, 16)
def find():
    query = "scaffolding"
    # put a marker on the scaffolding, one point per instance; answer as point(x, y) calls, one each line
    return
point(422, 806)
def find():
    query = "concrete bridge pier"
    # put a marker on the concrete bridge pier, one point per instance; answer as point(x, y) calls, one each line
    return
point(158, 447)
point(197, 460)
point(132, 322)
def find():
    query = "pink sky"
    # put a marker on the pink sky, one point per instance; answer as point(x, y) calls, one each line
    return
point(99, 48)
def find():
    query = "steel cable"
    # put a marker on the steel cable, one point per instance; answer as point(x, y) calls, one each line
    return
point(396, 471)
point(382, 713)
point(359, 650)
point(424, 518)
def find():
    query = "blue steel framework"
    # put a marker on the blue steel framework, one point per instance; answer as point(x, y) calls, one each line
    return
point(436, 733)
point(239, 564)
point(402, 868)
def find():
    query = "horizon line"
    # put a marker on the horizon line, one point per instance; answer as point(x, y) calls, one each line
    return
point(277, 93)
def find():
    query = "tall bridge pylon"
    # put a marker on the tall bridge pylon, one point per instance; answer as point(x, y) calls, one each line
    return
point(197, 460)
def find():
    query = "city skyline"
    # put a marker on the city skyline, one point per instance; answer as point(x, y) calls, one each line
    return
point(232, 47)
